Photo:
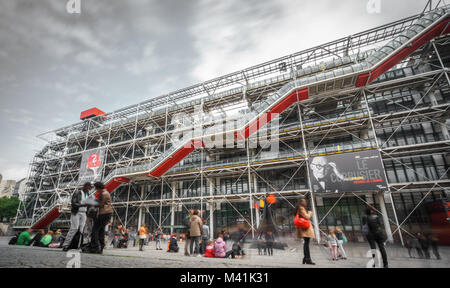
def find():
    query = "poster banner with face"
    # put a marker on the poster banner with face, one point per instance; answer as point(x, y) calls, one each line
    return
point(348, 172)
point(91, 166)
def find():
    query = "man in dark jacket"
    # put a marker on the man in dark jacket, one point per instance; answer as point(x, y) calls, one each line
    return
point(374, 234)
point(78, 214)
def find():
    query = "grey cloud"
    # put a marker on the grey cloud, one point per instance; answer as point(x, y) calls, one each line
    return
point(116, 53)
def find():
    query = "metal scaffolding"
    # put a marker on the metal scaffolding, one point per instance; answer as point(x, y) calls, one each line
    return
point(336, 118)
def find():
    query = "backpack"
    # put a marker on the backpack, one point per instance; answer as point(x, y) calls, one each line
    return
point(13, 240)
point(76, 240)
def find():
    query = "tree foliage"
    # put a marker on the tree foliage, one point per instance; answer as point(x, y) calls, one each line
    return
point(8, 207)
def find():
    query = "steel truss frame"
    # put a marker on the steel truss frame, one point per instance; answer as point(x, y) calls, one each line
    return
point(140, 133)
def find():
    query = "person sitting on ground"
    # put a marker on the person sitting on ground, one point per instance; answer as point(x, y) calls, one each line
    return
point(173, 244)
point(24, 238)
point(37, 238)
point(220, 247)
point(47, 239)
point(57, 237)
point(57, 240)
point(235, 251)
point(209, 250)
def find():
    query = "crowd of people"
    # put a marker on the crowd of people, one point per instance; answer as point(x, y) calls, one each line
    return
point(421, 243)
point(91, 230)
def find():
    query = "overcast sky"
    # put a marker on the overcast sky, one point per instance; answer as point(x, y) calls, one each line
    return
point(53, 64)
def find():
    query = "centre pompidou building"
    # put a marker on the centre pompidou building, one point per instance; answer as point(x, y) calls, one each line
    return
point(384, 91)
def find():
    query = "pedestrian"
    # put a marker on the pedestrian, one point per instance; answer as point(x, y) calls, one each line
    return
point(424, 245)
point(374, 234)
point(142, 236)
point(305, 234)
point(104, 215)
point(205, 236)
point(220, 248)
point(187, 225)
point(415, 244)
point(158, 236)
point(116, 236)
point(332, 243)
point(261, 246)
point(434, 242)
point(341, 239)
point(269, 242)
point(408, 245)
point(195, 231)
point(173, 244)
point(78, 210)
point(24, 238)
point(133, 236)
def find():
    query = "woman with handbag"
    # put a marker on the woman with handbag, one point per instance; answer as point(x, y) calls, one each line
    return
point(304, 229)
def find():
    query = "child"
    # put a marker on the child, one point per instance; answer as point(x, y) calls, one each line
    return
point(209, 251)
point(173, 244)
point(220, 247)
point(332, 241)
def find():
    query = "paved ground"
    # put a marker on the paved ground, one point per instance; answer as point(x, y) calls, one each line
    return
point(16, 256)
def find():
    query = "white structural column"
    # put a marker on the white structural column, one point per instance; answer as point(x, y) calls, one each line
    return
point(141, 208)
point(387, 225)
point(211, 209)
point(173, 206)
point(315, 218)
point(257, 215)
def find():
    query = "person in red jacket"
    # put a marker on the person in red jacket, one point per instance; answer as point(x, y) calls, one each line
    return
point(209, 251)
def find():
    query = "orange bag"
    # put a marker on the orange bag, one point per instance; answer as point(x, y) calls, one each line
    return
point(301, 222)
